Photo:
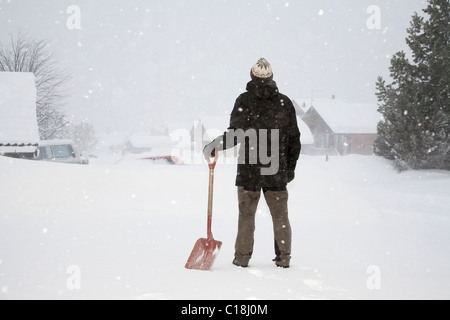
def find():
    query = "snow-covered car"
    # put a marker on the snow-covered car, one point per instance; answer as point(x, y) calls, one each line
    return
point(62, 151)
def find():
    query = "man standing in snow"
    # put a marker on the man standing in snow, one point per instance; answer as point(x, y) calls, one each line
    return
point(264, 123)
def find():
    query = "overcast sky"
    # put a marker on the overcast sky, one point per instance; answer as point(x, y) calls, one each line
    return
point(139, 64)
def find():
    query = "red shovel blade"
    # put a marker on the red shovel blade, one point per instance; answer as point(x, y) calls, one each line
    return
point(203, 255)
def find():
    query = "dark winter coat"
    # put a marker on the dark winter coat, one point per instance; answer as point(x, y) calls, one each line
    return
point(262, 112)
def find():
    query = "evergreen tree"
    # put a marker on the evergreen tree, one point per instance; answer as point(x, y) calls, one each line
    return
point(416, 105)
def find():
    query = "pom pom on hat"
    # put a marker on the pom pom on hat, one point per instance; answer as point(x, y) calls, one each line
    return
point(262, 70)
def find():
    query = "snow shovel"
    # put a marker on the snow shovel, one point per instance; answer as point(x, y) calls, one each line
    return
point(205, 250)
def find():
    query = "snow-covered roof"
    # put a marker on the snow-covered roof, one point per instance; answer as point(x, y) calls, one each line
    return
point(44, 143)
point(306, 135)
point(301, 106)
point(18, 120)
point(344, 117)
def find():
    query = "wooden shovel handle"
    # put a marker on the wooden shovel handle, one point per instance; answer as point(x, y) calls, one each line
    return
point(212, 165)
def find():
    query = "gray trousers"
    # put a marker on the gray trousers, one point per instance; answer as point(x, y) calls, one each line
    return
point(277, 202)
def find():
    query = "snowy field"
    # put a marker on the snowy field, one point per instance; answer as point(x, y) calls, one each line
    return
point(125, 231)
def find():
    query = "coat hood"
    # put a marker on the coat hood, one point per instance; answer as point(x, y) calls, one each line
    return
point(263, 89)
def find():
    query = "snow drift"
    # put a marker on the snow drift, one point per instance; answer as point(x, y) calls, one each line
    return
point(124, 231)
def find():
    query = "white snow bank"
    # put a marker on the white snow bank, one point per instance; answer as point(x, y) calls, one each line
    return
point(360, 231)
point(18, 120)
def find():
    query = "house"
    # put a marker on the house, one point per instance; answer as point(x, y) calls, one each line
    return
point(341, 128)
point(142, 142)
point(300, 109)
point(19, 133)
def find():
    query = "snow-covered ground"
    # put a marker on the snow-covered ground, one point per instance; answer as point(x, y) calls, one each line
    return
point(125, 231)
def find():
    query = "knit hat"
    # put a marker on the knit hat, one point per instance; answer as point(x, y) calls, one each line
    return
point(262, 70)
